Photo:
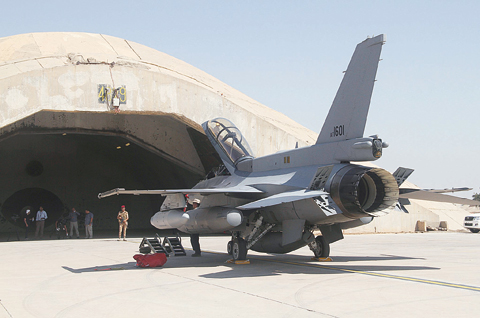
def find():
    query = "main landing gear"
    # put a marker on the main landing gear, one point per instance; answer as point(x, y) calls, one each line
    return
point(237, 247)
point(320, 247)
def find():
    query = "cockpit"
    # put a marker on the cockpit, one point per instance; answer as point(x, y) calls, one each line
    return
point(229, 138)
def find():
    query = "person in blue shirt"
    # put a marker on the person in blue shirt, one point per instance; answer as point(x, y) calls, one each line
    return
point(72, 216)
point(40, 222)
point(88, 224)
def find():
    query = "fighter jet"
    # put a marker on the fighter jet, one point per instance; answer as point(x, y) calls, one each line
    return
point(275, 203)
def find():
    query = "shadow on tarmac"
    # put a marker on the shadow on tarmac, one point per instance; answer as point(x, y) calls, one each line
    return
point(272, 265)
point(267, 265)
point(121, 266)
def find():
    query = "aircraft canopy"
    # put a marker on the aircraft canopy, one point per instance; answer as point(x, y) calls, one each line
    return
point(229, 138)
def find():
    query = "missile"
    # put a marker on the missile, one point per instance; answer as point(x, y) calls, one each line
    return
point(171, 219)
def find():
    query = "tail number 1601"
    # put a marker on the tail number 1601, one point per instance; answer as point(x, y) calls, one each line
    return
point(338, 131)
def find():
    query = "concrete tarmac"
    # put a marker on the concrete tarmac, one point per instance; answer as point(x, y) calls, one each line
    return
point(381, 275)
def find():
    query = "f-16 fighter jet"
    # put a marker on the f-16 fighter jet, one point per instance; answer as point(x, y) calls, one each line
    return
point(275, 203)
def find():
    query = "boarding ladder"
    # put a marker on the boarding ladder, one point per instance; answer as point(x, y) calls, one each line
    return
point(153, 245)
point(174, 245)
point(170, 245)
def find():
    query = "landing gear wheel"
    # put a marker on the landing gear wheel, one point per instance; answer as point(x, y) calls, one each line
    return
point(229, 247)
point(239, 249)
point(322, 248)
point(474, 230)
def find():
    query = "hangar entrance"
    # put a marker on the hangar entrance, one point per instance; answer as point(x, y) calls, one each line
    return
point(15, 207)
point(60, 168)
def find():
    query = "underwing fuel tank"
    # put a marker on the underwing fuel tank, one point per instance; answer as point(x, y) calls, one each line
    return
point(169, 219)
point(200, 220)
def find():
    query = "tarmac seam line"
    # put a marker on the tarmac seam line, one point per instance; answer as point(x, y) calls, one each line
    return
point(5, 308)
point(418, 280)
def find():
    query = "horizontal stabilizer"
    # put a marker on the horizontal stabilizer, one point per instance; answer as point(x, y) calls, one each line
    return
point(432, 196)
point(280, 198)
point(401, 174)
point(448, 190)
point(242, 190)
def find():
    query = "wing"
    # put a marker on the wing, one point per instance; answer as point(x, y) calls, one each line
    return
point(433, 196)
point(242, 190)
point(280, 198)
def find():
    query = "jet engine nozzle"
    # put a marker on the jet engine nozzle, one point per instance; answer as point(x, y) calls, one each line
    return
point(360, 190)
point(171, 219)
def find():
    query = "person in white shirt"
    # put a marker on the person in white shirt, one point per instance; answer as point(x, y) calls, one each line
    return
point(40, 222)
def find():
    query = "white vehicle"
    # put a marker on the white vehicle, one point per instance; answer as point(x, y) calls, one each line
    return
point(472, 222)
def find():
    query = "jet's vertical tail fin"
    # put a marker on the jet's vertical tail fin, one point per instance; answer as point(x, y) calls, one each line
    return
point(348, 115)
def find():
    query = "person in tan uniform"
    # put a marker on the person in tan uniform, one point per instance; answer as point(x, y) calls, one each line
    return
point(122, 223)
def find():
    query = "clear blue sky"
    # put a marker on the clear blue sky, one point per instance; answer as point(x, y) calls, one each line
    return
point(289, 55)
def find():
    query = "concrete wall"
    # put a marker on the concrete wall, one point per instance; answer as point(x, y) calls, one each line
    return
point(62, 71)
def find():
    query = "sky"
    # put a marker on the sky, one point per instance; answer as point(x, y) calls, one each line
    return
point(290, 55)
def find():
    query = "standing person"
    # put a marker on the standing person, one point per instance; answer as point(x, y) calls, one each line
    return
point(88, 224)
point(122, 223)
point(40, 222)
point(28, 220)
point(195, 238)
point(73, 217)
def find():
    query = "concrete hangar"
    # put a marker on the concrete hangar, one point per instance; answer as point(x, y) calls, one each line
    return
point(84, 113)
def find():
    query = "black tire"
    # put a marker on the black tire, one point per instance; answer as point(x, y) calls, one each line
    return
point(474, 230)
point(239, 249)
point(229, 247)
point(145, 250)
point(323, 248)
